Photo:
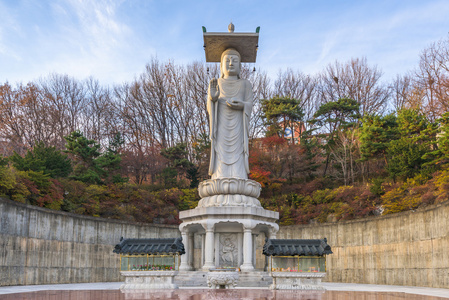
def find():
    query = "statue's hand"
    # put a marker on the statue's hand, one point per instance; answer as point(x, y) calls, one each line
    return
point(235, 104)
point(214, 89)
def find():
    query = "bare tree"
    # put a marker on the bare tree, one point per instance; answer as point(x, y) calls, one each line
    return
point(298, 86)
point(24, 117)
point(345, 153)
point(11, 129)
point(66, 100)
point(100, 119)
point(432, 79)
point(355, 80)
point(141, 155)
point(260, 83)
point(401, 91)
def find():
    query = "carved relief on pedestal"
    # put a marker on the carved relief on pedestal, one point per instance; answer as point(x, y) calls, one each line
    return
point(228, 250)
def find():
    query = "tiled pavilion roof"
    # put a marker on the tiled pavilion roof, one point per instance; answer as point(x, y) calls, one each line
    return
point(150, 246)
point(278, 247)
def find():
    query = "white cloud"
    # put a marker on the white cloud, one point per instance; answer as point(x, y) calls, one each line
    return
point(426, 12)
point(328, 46)
point(96, 23)
point(9, 27)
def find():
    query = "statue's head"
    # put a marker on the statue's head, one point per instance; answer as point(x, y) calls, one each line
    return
point(230, 63)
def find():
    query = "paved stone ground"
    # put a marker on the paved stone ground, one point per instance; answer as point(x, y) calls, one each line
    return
point(331, 286)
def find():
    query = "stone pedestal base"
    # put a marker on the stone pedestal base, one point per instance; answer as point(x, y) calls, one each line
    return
point(229, 192)
point(145, 280)
point(247, 267)
point(228, 233)
point(297, 281)
point(222, 279)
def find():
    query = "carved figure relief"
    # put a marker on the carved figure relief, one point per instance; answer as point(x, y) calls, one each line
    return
point(228, 250)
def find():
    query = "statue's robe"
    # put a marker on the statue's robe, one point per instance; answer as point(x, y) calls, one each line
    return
point(229, 130)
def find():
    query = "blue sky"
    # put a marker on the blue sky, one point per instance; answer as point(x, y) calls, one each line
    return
point(113, 40)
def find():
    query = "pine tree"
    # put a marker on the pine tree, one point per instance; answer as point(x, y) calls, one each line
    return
point(281, 114)
point(84, 153)
point(109, 162)
point(178, 164)
point(44, 159)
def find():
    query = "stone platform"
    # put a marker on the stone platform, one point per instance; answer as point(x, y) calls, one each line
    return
point(143, 280)
point(198, 279)
point(297, 281)
point(221, 212)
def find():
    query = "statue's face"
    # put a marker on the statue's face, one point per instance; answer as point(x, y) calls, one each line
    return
point(230, 65)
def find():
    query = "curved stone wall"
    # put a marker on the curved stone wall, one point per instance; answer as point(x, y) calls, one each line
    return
point(410, 248)
point(41, 246)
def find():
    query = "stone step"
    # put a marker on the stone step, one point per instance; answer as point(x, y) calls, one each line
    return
point(254, 279)
point(246, 279)
point(191, 279)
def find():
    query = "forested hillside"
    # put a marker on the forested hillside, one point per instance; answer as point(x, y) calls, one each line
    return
point(359, 145)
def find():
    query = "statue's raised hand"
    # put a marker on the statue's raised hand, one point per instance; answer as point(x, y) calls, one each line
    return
point(214, 89)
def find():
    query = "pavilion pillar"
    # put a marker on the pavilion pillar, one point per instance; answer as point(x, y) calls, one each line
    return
point(209, 247)
point(272, 233)
point(191, 250)
point(185, 257)
point(247, 250)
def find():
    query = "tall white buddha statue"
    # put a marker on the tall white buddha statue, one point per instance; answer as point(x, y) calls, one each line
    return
point(229, 104)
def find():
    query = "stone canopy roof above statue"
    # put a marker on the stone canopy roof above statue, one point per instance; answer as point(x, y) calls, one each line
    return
point(246, 43)
point(278, 247)
point(149, 246)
